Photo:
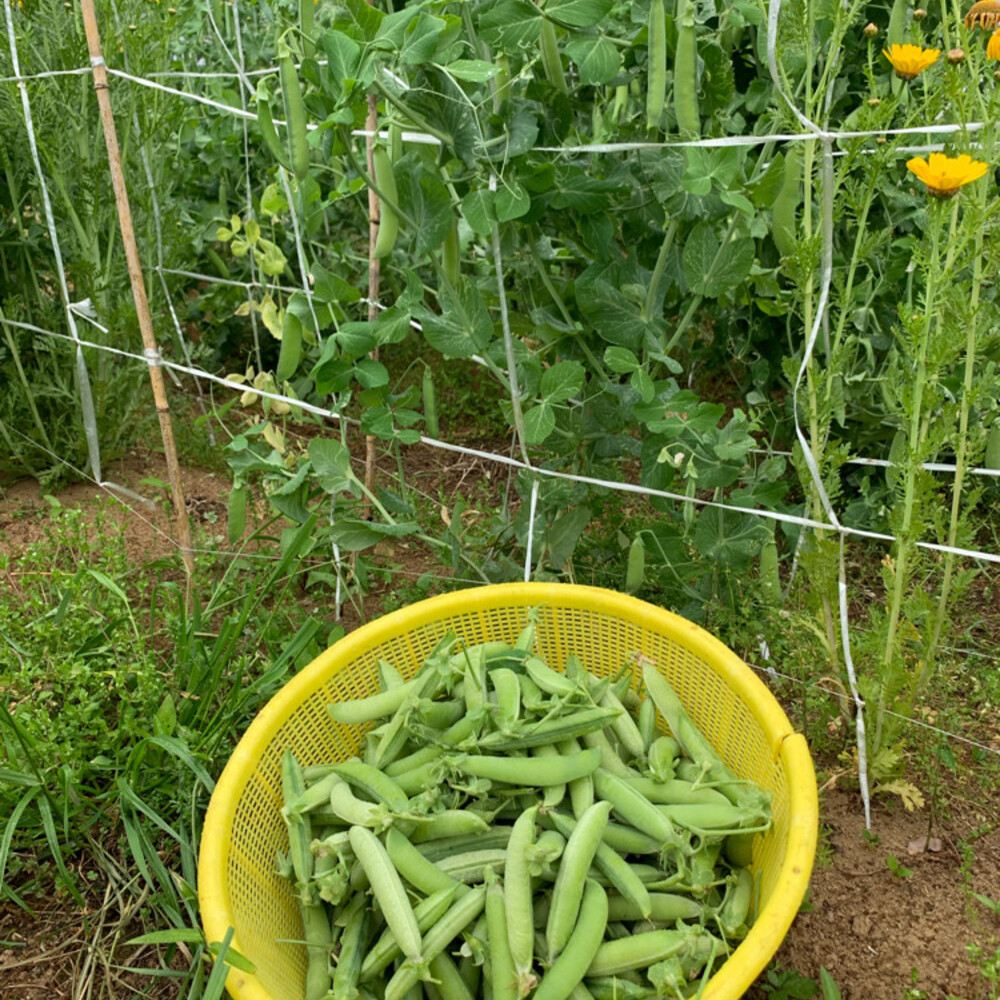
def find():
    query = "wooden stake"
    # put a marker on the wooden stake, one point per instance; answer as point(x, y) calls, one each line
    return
point(374, 277)
point(152, 351)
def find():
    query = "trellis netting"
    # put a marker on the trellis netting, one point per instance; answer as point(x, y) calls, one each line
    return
point(481, 114)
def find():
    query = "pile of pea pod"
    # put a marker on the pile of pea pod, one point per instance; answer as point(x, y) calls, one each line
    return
point(512, 830)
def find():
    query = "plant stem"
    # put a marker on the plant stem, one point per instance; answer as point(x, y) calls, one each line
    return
point(658, 268)
point(915, 442)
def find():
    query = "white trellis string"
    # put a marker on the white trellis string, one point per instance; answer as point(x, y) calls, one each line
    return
point(514, 463)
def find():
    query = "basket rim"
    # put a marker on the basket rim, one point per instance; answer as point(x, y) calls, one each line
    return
point(746, 961)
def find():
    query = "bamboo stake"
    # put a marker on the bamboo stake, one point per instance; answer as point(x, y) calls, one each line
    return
point(374, 277)
point(151, 351)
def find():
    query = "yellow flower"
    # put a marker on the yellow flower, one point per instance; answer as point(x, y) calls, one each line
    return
point(993, 48)
point(985, 14)
point(909, 61)
point(944, 175)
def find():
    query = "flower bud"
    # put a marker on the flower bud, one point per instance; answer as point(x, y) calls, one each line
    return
point(874, 102)
point(870, 30)
point(919, 14)
point(956, 56)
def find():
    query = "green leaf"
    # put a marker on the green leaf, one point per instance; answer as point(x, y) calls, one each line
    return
point(362, 18)
point(473, 70)
point(643, 384)
point(597, 59)
point(424, 197)
point(615, 318)
point(343, 55)
point(464, 326)
point(512, 201)
point(353, 535)
point(539, 423)
point(511, 25)
point(477, 209)
point(732, 270)
point(830, 989)
point(620, 360)
point(331, 462)
point(562, 381)
point(579, 13)
point(421, 39)
point(330, 287)
point(565, 532)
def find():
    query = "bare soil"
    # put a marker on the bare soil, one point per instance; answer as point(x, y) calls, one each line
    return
point(879, 933)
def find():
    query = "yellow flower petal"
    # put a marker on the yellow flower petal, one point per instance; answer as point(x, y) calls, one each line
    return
point(993, 48)
point(944, 175)
point(909, 61)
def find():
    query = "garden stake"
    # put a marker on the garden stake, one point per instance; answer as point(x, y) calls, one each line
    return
point(151, 351)
point(374, 274)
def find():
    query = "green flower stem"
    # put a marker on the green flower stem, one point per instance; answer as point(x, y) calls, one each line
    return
point(906, 543)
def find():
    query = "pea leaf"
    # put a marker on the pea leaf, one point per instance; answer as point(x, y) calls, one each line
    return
point(620, 360)
point(511, 25)
point(426, 200)
point(512, 201)
point(597, 59)
point(562, 381)
point(579, 13)
point(464, 325)
point(477, 209)
point(353, 535)
point(539, 423)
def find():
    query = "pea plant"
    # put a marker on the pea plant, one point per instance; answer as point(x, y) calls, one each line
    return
point(591, 286)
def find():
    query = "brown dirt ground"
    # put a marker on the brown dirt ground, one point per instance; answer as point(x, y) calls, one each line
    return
point(873, 930)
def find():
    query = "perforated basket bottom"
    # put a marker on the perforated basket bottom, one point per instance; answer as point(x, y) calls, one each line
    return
point(244, 830)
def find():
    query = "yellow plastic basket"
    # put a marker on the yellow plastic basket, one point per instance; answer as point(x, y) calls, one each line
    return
point(238, 883)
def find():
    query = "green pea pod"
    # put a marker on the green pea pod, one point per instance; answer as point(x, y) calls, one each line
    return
point(291, 347)
point(551, 60)
point(265, 121)
point(306, 11)
point(787, 202)
point(295, 114)
point(656, 62)
point(395, 143)
point(385, 180)
point(636, 570)
point(237, 513)
point(686, 74)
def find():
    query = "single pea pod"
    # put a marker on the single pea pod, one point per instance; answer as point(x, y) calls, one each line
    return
point(291, 346)
point(686, 74)
point(787, 202)
point(567, 971)
point(265, 122)
point(385, 181)
point(295, 115)
point(387, 887)
point(551, 60)
point(636, 569)
point(656, 65)
point(429, 395)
